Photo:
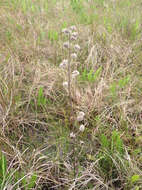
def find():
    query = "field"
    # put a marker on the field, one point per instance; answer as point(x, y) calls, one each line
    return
point(70, 95)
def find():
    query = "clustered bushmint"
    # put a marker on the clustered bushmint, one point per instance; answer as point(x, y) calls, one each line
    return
point(73, 48)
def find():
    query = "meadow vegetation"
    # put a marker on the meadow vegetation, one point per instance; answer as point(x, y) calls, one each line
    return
point(70, 95)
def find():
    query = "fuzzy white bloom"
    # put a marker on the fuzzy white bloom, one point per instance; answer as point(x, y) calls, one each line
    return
point(66, 31)
point(80, 116)
point(75, 34)
point(82, 128)
point(77, 47)
point(75, 73)
point(66, 45)
point(64, 64)
point(65, 84)
point(73, 28)
point(73, 55)
point(72, 135)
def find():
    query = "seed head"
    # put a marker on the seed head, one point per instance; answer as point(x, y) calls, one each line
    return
point(75, 73)
point(77, 47)
point(80, 116)
point(82, 128)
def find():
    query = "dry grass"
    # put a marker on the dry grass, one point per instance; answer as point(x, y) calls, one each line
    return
point(35, 113)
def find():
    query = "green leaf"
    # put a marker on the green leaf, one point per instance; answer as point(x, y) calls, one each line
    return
point(90, 76)
point(84, 74)
point(97, 73)
point(104, 141)
point(116, 143)
point(3, 165)
point(24, 181)
point(135, 178)
point(32, 181)
point(123, 82)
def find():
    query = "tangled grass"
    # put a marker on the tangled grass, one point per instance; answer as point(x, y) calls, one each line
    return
point(70, 113)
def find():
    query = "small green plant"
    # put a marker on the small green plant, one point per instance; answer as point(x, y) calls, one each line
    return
point(77, 6)
point(13, 178)
point(41, 100)
point(120, 84)
point(111, 150)
point(53, 36)
point(26, 182)
point(3, 167)
point(91, 76)
point(115, 144)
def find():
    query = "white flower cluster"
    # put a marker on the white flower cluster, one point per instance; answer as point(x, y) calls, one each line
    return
point(80, 117)
point(72, 35)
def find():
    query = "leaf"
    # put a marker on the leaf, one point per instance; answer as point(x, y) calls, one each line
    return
point(90, 76)
point(104, 141)
point(123, 82)
point(113, 89)
point(3, 165)
point(135, 178)
point(32, 181)
point(24, 179)
point(97, 73)
point(116, 143)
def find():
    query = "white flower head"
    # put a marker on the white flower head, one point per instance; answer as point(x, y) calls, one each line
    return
point(82, 128)
point(75, 34)
point(80, 116)
point(73, 38)
point(73, 55)
point(64, 64)
point(65, 84)
point(77, 47)
point(66, 45)
point(72, 135)
point(66, 31)
point(73, 28)
point(75, 73)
